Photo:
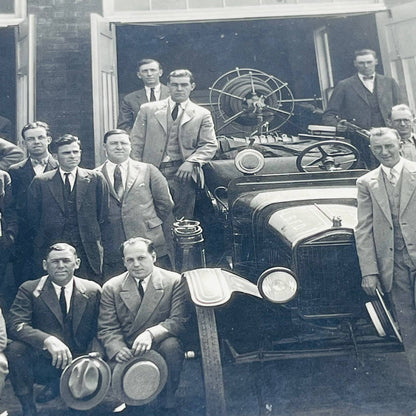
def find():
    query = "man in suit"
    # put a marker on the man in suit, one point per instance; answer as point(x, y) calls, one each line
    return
point(365, 99)
point(178, 137)
point(5, 128)
point(386, 232)
point(69, 204)
point(140, 202)
point(9, 154)
point(142, 309)
point(402, 119)
point(36, 138)
point(149, 71)
point(52, 320)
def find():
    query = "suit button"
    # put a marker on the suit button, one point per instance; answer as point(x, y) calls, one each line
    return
point(390, 249)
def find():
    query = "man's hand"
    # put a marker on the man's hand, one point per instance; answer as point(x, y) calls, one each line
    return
point(370, 283)
point(342, 126)
point(142, 343)
point(61, 355)
point(123, 355)
point(185, 171)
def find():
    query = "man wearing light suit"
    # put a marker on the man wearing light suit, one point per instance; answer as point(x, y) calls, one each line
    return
point(365, 99)
point(69, 205)
point(386, 232)
point(143, 309)
point(178, 137)
point(140, 202)
point(149, 71)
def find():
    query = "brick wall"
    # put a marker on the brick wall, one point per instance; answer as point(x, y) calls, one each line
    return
point(63, 68)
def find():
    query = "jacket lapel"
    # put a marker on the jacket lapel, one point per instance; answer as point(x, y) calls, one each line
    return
point(161, 114)
point(81, 183)
point(408, 186)
point(51, 165)
point(132, 175)
point(79, 303)
point(56, 187)
point(48, 295)
point(129, 294)
point(380, 194)
point(188, 113)
point(359, 88)
point(110, 183)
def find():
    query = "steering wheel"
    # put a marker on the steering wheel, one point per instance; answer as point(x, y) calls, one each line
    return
point(329, 155)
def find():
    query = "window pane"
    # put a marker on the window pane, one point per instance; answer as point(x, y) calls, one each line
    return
point(6, 6)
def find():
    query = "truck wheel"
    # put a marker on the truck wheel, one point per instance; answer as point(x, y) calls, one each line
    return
point(211, 362)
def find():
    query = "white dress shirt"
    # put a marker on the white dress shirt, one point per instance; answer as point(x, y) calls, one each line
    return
point(398, 167)
point(69, 287)
point(124, 167)
point(368, 83)
point(72, 176)
point(156, 91)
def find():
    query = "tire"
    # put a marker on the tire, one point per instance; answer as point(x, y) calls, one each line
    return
point(211, 362)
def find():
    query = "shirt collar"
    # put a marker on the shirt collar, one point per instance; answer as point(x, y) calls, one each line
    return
point(69, 287)
point(361, 76)
point(156, 88)
point(181, 105)
point(145, 281)
point(113, 165)
point(73, 172)
point(398, 167)
point(43, 161)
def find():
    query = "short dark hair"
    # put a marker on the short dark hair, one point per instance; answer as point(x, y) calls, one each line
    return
point(114, 131)
point(147, 61)
point(60, 247)
point(382, 131)
point(149, 244)
point(35, 125)
point(64, 140)
point(361, 52)
point(181, 73)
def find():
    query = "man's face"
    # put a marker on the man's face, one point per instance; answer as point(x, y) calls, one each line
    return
point(180, 88)
point(402, 121)
point(386, 149)
point(61, 266)
point(366, 64)
point(118, 147)
point(150, 74)
point(68, 156)
point(138, 261)
point(36, 142)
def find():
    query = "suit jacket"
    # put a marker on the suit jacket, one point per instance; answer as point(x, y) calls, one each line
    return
point(130, 106)
point(5, 128)
point(36, 314)
point(197, 140)
point(8, 217)
point(349, 101)
point(145, 205)
point(374, 233)
point(46, 211)
point(163, 310)
point(9, 154)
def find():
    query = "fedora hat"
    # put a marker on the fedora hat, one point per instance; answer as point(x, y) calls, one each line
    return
point(85, 382)
point(382, 318)
point(139, 380)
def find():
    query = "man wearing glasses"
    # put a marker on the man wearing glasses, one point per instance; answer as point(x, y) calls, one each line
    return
point(401, 119)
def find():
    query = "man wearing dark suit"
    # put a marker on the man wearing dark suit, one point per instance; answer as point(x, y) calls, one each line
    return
point(36, 138)
point(5, 128)
point(69, 204)
point(9, 154)
point(149, 71)
point(142, 309)
point(386, 232)
point(365, 99)
point(140, 202)
point(178, 137)
point(52, 320)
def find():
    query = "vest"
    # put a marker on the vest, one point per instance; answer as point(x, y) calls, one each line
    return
point(375, 113)
point(172, 146)
point(393, 195)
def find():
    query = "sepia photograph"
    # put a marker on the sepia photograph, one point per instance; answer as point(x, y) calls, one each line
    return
point(207, 207)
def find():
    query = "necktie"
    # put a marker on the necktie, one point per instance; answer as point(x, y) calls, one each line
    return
point(175, 111)
point(36, 162)
point(393, 177)
point(67, 186)
point(118, 181)
point(141, 290)
point(62, 301)
point(368, 78)
point(152, 94)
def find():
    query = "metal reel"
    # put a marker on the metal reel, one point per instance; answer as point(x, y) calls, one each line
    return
point(251, 98)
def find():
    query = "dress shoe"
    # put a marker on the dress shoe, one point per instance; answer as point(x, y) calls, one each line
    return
point(48, 393)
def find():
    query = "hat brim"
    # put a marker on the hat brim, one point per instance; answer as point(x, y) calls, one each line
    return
point(98, 396)
point(130, 393)
point(382, 318)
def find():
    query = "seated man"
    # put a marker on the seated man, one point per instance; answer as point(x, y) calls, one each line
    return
point(143, 309)
point(52, 319)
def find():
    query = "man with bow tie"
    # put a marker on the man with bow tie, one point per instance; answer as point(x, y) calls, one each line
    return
point(140, 202)
point(142, 309)
point(178, 137)
point(36, 138)
point(386, 232)
point(69, 204)
point(364, 99)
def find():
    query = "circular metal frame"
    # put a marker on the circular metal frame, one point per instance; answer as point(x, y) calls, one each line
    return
point(272, 270)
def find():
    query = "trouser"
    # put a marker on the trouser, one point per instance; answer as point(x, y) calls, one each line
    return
point(403, 300)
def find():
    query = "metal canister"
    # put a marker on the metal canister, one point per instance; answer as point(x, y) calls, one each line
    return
point(189, 245)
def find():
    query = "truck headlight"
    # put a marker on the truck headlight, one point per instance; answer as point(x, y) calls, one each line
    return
point(278, 285)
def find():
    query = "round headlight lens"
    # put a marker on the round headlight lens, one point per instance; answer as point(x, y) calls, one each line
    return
point(249, 161)
point(278, 285)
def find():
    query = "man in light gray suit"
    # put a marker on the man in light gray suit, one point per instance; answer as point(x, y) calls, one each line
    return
point(386, 232)
point(178, 137)
point(140, 202)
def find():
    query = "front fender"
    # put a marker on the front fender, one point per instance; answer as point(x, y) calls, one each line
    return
point(214, 287)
